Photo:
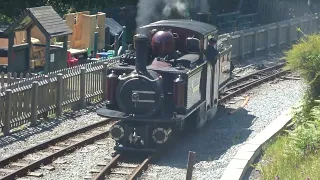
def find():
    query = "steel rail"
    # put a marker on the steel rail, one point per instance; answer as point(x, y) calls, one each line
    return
point(47, 143)
point(48, 159)
point(114, 164)
point(137, 172)
point(106, 170)
point(250, 76)
point(251, 84)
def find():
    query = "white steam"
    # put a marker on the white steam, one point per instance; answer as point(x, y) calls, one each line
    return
point(174, 4)
point(148, 10)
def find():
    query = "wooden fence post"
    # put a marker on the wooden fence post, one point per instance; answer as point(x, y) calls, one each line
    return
point(59, 95)
point(278, 36)
point(191, 160)
point(317, 23)
point(229, 40)
point(34, 102)
point(104, 88)
point(8, 112)
point(255, 42)
point(242, 45)
point(310, 31)
point(290, 32)
point(8, 79)
point(301, 28)
point(83, 87)
point(268, 38)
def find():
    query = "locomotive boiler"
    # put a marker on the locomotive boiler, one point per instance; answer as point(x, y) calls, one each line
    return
point(161, 86)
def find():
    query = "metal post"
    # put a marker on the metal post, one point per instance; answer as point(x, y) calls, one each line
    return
point(83, 88)
point(104, 88)
point(95, 44)
point(191, 160)
point(59, 95)
point(8, 112)
point(47, 56)
point(116, 44)
point(107, 40)
point(34, 102)
point(124, 39)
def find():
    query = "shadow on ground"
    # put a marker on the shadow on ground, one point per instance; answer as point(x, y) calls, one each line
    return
point(212, 141)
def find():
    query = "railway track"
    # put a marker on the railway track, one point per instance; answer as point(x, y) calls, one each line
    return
point(120, 168)
point(240, 85)
point(39, 156)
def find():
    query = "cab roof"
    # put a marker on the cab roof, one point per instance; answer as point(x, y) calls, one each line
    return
point(196, 26)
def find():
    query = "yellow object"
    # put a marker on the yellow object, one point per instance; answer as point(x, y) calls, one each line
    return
point(84, 26)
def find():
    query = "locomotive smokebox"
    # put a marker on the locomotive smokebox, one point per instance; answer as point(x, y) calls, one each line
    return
point(141, 46)
point(204, 17)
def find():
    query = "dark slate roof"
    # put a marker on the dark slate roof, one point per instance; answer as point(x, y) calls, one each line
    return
point(196, 26)
point(46, 18)
point(114, 26)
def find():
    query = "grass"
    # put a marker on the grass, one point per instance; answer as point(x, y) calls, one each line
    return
point(277, 163)
point(294, 155)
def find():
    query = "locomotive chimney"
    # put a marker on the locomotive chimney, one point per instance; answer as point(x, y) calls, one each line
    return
point(141, 46)
point(203, 17)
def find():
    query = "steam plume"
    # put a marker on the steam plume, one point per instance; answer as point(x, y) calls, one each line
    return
point(149, 11)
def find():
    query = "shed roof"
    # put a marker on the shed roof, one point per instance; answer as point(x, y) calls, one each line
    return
point(197, 26)
point(47, 20)
point(114, 26)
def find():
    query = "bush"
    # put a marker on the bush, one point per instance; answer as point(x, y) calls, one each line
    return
point(304, 57)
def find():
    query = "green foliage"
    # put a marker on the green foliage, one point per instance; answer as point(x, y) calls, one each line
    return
point(5, 19)
point(305, 134)
point(304, 57)
point(294, 154)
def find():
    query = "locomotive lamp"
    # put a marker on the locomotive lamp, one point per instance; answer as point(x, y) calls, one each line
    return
point(179, 92)
point(111, 86)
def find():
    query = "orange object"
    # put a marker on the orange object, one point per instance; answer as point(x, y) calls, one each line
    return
point(71, 60)
point(244, 104)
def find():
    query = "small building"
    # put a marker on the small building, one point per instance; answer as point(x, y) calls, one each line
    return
point(51, 25)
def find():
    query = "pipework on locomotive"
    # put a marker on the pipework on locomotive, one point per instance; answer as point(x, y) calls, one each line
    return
point(161, 85)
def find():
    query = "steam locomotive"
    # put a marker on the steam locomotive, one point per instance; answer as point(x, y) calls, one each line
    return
point(163, 85)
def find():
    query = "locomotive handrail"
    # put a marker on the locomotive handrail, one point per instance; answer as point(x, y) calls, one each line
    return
point(139, 75)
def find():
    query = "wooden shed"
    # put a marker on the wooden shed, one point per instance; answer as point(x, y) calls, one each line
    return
point(51, 25)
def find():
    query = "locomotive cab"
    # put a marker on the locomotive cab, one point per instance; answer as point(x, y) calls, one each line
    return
point(154, 101)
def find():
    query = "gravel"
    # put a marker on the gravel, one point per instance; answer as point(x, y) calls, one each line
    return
point(30, 136)
point(215, 144)
point(78, 164)
point(219, 141)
